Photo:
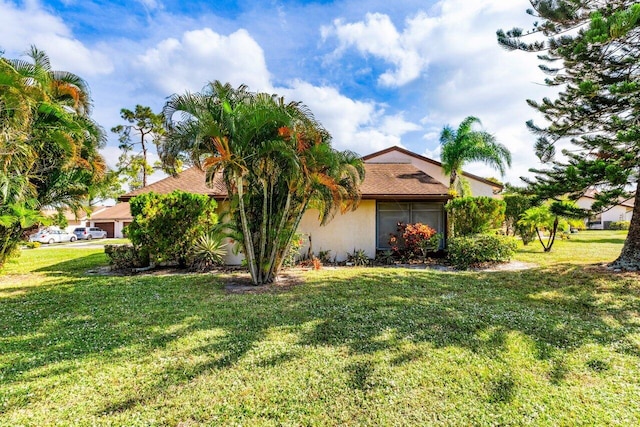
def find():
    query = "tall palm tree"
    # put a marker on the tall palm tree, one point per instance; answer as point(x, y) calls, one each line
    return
point(275, 159)
point(48, 143)
point(61, 132)
point(465, 145)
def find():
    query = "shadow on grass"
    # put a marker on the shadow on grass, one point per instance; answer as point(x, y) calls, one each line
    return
point(364, 310)
point(75, 267)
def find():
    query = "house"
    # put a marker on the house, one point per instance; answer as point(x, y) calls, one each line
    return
point(601, 221)
point(399, 186)
point(75, 219)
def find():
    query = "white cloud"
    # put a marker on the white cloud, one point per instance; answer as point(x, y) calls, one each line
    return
point(442, 35)
point(21, 27)
point(360, 126)
point(467, 73)
point(150, 4)
point(378, 36)
point(200, 56)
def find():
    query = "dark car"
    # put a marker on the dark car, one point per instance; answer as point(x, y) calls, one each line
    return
point(88, 233)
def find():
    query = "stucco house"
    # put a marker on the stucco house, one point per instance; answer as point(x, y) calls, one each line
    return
point(399, 185)
point(601, 221)
point(74, 219)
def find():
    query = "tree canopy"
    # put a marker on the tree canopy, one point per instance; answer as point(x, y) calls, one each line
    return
point(48, 143)
point(275, 160)
point(590, 50)
point(464, 145)
point(143, 128)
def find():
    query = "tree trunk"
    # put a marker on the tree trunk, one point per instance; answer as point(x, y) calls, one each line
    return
point(629, 258)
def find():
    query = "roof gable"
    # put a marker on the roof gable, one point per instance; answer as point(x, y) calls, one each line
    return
point(428, 160)
point(400, 180)
point(192, 180)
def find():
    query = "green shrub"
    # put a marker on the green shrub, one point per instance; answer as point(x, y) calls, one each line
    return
point(475, 215)
point(620, 225)
point(168, 225)
point(291, 258)
point(516, 205)
point(466, 251)
point(125, 257)
point(358, 257)
point(325, 256)
point(32, 245)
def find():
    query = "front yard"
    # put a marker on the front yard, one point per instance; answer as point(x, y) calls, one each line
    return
point(558, 344)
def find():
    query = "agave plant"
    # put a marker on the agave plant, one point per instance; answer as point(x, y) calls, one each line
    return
point(209, 251)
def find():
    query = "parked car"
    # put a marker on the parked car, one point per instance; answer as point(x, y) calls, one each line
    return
point(52, 236)
point(88, 233)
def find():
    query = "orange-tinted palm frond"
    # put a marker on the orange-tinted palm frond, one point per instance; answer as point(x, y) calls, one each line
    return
point(285, 133)
point(331, 185)
point(62, 90)
point(221, 147)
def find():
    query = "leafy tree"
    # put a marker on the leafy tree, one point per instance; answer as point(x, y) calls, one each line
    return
point(48, 142)
point(516, 204)
point(474, 215)
point(167, 226)
point(548, 217)
point(274, 158)
point(463, 145)
point(61, 137)
point(591, 53)
point(143, 129)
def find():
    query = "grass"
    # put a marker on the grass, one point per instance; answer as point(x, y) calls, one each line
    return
point(555, 345)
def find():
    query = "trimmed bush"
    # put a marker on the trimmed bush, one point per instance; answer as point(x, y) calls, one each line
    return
point(477, 249)
point(475, 215)
point(168, 225)
point(125, 257)
point(619, 225)
point(32, 245)
point(515, 206)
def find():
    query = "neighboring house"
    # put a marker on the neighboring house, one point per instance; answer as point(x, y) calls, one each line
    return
point(113, 219)
point(601, 221)
point(74, 219)
point(399, 186)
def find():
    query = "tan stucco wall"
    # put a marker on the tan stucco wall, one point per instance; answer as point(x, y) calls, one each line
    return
point(344, 233)
point(478, 188)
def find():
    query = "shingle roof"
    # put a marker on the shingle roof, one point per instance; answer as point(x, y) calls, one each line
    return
point(628, 203)
point(120, 211)
point(428, 160)
point(191, 180)
point(400, 180)
point(382, 180)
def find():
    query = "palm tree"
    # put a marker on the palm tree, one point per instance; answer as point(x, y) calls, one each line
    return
point(48, 144)
point(275, 159)
point(64, 137)
point(467, 145)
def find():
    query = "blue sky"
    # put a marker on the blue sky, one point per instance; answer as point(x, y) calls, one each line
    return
point(376, 73)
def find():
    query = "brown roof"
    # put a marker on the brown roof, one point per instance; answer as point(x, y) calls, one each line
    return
point(628, 203)
point(400, 180)
point(428, 160)
point(191, 180)
point(120, 211)
point(382, 180)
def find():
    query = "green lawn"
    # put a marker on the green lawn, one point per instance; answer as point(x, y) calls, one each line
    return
point(555, 345)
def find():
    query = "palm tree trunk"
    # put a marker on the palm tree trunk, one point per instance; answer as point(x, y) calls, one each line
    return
point(292, 233)
point(248, 244)
point(263, 231)
point(274, 250)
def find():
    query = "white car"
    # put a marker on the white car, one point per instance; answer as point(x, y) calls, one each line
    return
point(52, 236)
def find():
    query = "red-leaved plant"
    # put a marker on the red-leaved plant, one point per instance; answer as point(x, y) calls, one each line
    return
point(411, 241)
